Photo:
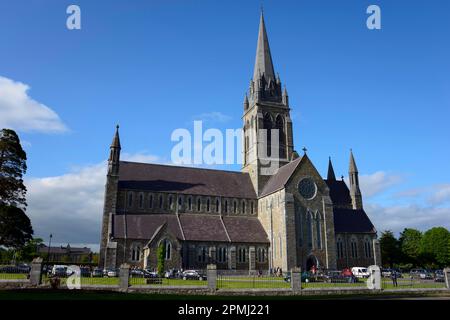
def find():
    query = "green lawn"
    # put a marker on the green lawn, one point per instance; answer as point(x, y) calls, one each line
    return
point(89, 281)
point(237, 282)
point(12, 276)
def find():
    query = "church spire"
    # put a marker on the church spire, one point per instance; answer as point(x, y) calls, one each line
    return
point(263, 61)
point(331, 176)
point(114, 154)
point(355, 192)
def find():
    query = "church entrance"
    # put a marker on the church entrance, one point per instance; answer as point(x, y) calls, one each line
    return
point(312, 263)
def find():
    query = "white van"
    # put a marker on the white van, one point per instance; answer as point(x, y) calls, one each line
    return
point(360, 272)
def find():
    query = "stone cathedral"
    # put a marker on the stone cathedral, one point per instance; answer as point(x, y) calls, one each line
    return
point(261, 218)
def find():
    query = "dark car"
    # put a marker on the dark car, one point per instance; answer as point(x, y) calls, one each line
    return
point(439, 276)
point(192, 275)
point(150, 274)
point(97, 273)
point(137, 273)
point(335, 276)
point(85, 272)
point(172, 274)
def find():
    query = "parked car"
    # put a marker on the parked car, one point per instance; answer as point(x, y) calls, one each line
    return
point(85, 272)
point(360, 272)
point(172, 274)
point(111, 273)
point(97, 272)
point(335, 276)
point(386, 273)
point(421, 274)
point(137, 273)
point(59, 271)
point(150, 274)
point(192, 275)
point(439, 276)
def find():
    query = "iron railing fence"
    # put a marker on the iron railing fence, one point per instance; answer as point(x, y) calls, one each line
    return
point(240, 279)
point(14, 272)
point(412, 281)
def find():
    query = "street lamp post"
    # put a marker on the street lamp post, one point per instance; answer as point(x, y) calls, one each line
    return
point(49, 245)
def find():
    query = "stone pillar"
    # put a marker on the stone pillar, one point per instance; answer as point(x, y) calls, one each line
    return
point(232, 258)
point(212, 254)
point(374, 280)
point(447, 277)
point(296, 279)
point(36, 272)
point(376, 252)
point(124, 275)
point(211, 275)
point(251, 258)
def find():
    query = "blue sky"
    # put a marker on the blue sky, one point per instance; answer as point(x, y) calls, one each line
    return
point(154, 66)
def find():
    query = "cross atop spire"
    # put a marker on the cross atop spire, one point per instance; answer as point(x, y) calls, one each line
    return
point(263, 61)
point(331, 176)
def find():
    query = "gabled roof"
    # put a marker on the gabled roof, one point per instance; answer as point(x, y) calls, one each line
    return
point(352, 221)
point(339, 193)
point(195, 227)
point(279, 180)
point(185, 180)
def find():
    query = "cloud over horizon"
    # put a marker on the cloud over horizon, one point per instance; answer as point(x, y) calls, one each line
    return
point(20, 112)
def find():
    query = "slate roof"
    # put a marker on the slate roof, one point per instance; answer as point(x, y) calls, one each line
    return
point(352, 221)
point(194, 227)
point(279, 180)
point(185, 180)
point(339, 193)
point(64, 250)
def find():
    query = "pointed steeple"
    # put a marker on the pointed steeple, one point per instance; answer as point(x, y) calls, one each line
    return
point(245, 102)
point(114, 154)
point(331, 176)
point(352, 166)
point(355, 192)
point(116, 140)
point(263, 61)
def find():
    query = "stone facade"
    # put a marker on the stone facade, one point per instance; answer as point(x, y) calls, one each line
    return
point(278, 212)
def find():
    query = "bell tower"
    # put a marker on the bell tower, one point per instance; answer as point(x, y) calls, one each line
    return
point(267, 126)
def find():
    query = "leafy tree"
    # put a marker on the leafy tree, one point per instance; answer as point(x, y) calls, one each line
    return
point(15, 227)
point(12, 168)
point(30, 250)
point(436, 246)
point(161, 255)
point(95, 258)
point(410, 245)
point(390, 248)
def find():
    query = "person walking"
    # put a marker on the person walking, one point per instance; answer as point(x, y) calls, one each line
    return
point(394, 278)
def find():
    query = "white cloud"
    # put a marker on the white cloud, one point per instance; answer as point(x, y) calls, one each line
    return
point(439, 194)
point(398, 217)
point(376, 183)
point(70, 206)
point(19, 111)
point(214, 116)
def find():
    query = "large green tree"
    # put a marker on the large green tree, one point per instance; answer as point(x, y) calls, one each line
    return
point(30, 250)
point(12, 168)
point(390, 249)
point(15, 227)
point(435, 246)
point(161, 255)
point(410, 245)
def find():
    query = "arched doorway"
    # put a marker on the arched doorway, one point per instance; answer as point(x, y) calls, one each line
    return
point(312, 262)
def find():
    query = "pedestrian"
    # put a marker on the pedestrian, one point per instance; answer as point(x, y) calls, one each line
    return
point(394, 278)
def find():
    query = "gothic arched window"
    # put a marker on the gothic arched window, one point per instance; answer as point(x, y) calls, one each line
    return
point(309, 229)
point(279, 124)
point(268, 127)
point(318, 231)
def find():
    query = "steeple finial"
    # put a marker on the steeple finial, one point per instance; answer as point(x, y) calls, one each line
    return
point(331, 176)
point(116, 140)
point(263, 61)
